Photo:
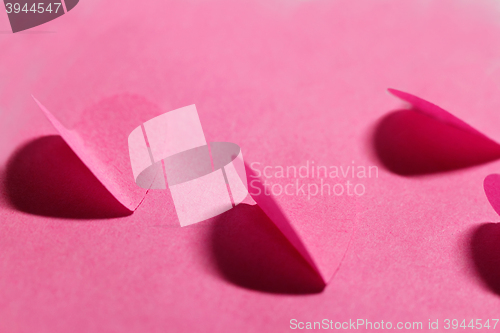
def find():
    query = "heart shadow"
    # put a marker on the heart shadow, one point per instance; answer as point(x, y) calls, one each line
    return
point(408, 142)
point(485, 254)
point(45, 177)
point(251, 252)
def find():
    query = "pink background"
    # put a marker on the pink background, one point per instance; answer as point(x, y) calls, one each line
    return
point(289, 81)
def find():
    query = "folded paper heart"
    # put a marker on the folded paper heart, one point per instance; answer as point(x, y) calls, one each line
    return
point(157, 162)
point(205, 180)
point(491, 183)
point(434, 111)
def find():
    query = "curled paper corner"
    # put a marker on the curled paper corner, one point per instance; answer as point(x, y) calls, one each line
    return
point(93, 163)
point(280, 219)
point(436, 112)
point(205, 180)
point(491, 183)
point(423, 138)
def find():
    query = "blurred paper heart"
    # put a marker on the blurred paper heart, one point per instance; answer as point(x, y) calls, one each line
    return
point(492, 190)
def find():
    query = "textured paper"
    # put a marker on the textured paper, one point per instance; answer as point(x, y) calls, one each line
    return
point(289, 81)
point(181, 160)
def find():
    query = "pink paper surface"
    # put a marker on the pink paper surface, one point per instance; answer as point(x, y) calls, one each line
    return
point(290, 82)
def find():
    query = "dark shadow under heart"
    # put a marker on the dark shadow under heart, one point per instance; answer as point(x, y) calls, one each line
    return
point(410, 143)
point(485, 254)
point(45, 177)
point(250, 251)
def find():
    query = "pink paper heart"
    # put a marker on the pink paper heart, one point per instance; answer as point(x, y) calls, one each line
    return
point(492, 189)
point(321, 241)
point(435, 112)
point(491, 183)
